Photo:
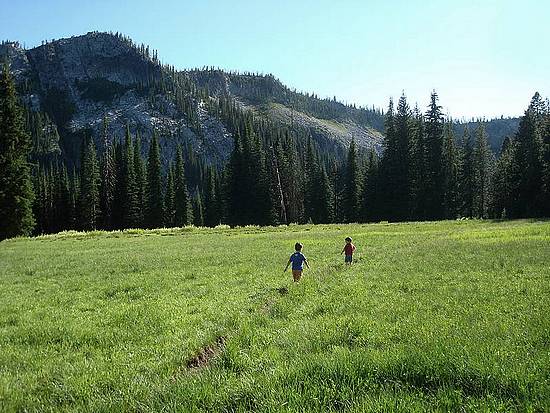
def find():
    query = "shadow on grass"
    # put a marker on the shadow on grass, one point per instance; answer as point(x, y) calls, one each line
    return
point(408, 374)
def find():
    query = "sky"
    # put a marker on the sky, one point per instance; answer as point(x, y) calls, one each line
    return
point(484, 58)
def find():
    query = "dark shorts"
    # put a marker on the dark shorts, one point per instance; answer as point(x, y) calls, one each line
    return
point(349, 258)
point(296, 274)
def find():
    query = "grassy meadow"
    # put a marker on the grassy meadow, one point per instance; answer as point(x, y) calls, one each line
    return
point(448, 316)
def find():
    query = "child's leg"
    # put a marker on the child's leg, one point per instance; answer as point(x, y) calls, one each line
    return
point(296, 274)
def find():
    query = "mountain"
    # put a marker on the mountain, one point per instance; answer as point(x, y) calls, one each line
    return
point(98, 83)
point(497, 130)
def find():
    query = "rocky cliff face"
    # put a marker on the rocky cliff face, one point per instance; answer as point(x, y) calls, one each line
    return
point(83, 81)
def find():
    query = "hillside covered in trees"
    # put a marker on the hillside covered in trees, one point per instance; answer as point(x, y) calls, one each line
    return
point(116, 140)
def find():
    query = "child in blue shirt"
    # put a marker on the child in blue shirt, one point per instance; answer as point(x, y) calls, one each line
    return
point(297, 259)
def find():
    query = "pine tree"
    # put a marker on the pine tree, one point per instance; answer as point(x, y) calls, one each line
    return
point(154, 200)
point(275, 173)
point(311, 196)
point(235, 191)
point(325, 211)
point(483, 169)
point(183, 211)
point(528, 155)
point(260, 209)
point(108, 181)
point(369, 209)
point(248, 190)
point(451, 170)
point(139, 169)
point(504, 182)
point(63, 205)
point(546, 161)
point(336, 179)
point(16, 191)
point(388, 167)
point(466, 179)
point(75, 197)
point(352, 189)
point(292, 179)
point(89, 187)
point(401, 180)
point(417, 167)
point(198, 211)
point(433, 179)
point(130, 202)
point(211, 207)
point(170, 199)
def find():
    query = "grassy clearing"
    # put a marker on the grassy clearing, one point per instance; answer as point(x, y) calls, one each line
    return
point(433, 316)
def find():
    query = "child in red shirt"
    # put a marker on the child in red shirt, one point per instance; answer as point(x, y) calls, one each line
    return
point(348, 250)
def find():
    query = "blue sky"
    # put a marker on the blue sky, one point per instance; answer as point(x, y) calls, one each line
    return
point(484, 58)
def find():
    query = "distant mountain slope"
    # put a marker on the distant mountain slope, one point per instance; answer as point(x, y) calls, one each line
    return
point(497, 130)
point(85, 82)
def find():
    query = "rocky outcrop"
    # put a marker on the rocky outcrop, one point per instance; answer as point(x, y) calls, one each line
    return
point(86, 80)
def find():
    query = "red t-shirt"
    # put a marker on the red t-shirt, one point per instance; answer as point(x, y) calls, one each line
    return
point(349, 248)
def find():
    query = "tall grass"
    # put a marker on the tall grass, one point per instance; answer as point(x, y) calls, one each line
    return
point(449, 316)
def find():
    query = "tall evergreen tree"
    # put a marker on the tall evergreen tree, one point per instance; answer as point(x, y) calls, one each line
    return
point(369, 207)
point(89, 187)
point(335, 175)
point(504, 182)
point(451, 171)
point(546, 161)
point(401, 180)
point(433, 179)
point(483, 170)
point(139, 169)
point(75, 197)
point(417, 167)
point(528, 155)
point(131, 210)
point(117, 206)
point(154, 199)
point(183, 211)
point(211, 201)
point(16, 191)
point(292, 179)
point(311, 196)
point(235, 191)
point(170, 199)
point(63, 204)
point(260, 209)
point(388, 167)
point(39, 205)
point(325, 210)
point(108, 181)
point(352, 190)
point(198, 210)
point(466, 180)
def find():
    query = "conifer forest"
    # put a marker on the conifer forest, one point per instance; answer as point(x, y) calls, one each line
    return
point(427, 166)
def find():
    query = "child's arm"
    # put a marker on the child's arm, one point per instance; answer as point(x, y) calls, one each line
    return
point(343, 249)
point(307, 265)
point(287, 264)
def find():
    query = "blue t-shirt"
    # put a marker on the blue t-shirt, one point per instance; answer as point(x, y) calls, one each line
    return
point(297, 259)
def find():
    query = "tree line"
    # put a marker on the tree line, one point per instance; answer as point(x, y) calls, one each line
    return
point(277, 174)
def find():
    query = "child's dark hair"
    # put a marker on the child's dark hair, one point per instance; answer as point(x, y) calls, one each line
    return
point(348, 239)
point(298, 246)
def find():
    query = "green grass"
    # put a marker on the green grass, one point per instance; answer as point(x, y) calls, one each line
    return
point(450, 316)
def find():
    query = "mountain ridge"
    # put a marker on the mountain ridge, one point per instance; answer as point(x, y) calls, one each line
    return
point(86, 82)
